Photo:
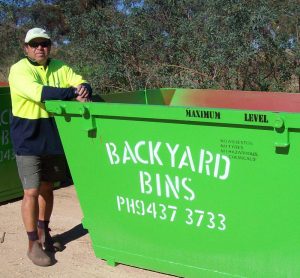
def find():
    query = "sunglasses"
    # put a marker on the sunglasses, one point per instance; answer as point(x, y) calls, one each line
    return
point(37, 44)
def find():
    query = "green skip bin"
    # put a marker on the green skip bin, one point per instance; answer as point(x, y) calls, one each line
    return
point(194, 183)
point(10, 185)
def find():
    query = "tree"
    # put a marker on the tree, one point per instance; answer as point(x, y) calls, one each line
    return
point(125, 45)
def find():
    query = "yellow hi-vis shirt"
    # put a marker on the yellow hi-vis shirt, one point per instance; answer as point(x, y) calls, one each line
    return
point(33, 130)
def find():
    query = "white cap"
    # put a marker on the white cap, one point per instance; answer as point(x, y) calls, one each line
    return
point(36, 33)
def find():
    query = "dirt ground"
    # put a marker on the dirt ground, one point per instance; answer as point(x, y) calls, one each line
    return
point(76, 260)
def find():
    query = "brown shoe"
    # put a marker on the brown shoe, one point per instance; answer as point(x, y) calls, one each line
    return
point(48, 244)
point(38, 256)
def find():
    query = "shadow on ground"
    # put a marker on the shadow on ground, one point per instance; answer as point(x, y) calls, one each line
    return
point(76, 232)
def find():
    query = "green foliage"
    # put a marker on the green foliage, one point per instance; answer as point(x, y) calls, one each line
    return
point(128, 45)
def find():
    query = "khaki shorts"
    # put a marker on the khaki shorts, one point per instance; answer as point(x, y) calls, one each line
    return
point(35, 169)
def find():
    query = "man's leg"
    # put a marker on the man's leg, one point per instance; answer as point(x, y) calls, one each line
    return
point(45, 201)
point(30, 212)
point(29, 168)
point(53, 169)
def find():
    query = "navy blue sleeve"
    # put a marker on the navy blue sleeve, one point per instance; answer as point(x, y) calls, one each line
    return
point(53, 93)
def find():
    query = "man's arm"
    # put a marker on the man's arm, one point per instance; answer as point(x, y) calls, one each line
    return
point(53, 93)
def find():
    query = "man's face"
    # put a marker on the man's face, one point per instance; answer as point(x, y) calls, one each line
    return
point(38, 50)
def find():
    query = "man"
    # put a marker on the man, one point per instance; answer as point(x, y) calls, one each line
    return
point(35, 139)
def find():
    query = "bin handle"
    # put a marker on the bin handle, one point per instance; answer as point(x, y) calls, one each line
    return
point(89, 125)
point(282, 139)
point(61, 109)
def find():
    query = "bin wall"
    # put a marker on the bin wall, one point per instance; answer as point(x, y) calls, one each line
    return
point(10, 186)
point(204, 193)
point(242, 100)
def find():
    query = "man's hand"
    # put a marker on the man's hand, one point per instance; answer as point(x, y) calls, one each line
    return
point(82, 94)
